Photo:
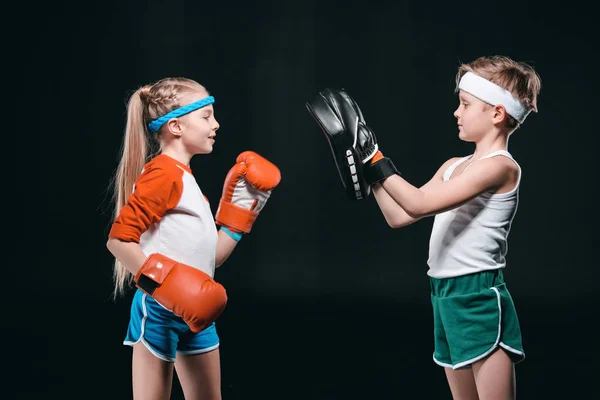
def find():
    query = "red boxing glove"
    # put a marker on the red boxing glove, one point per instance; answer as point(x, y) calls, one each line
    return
point(247, 188)
point(184, 290)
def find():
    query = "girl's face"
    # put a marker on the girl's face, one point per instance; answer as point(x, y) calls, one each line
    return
point(199, 128)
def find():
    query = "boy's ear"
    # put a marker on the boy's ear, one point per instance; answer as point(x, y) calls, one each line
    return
point(499, 114)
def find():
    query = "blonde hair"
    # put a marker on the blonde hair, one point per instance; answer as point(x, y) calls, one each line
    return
point(140, 145)
point(519, 78)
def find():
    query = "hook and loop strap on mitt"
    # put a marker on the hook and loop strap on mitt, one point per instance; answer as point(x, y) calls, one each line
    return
point(352, 142)
point(379, 168)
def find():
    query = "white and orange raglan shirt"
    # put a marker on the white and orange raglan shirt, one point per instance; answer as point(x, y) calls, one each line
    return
point(168, 214)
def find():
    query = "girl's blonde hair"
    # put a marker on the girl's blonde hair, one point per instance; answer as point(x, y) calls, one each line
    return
point(518, 78)
point(140, 145)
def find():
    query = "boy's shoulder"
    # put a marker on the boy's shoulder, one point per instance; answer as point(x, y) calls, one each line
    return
point(507, 165)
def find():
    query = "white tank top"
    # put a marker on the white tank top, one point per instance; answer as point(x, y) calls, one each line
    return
point(473, 237)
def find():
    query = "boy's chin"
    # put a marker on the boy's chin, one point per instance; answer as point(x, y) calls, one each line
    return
point(464, 137)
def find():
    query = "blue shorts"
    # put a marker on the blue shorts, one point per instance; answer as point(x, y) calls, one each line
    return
point(163, 333)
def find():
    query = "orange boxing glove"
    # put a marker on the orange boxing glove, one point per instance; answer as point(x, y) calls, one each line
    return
point(247, 188)
point(184, 290)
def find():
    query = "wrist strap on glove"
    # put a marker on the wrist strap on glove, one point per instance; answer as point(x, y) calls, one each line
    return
point(147, 285)
point(153, 272)
point(235, 217)
point(379, 171)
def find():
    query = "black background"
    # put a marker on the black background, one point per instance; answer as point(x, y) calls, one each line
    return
point(325, 300)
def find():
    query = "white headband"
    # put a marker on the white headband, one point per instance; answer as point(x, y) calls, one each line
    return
point(493, 94)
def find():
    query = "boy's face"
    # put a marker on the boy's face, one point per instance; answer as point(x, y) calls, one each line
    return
point(473, 116)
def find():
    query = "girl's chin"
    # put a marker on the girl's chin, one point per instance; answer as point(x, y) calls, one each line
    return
point(205, 150)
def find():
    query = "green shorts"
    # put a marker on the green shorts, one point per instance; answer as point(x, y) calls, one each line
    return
point(472, 316)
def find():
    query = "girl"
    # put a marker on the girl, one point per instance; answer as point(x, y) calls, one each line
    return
point(165, 239)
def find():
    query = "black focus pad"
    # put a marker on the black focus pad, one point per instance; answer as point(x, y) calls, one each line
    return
point(336, 114)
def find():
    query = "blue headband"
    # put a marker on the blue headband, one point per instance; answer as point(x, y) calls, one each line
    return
point(158, 122)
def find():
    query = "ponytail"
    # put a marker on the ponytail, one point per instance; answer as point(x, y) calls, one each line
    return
point(134, 154)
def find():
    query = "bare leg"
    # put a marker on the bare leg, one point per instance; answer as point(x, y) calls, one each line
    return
point(200, 375)
point(152, 377)
point(462, 384)
point(495, 377)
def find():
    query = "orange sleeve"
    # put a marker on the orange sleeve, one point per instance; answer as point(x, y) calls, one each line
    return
point(157, 190)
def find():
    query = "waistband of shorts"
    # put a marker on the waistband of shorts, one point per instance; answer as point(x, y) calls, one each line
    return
point(466, 284)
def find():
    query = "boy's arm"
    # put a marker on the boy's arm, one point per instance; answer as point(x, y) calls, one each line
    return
point(483, 176)
point(394, 214)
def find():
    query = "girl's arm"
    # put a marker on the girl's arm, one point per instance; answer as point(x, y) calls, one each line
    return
point(130, 254)
point(225, 246)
